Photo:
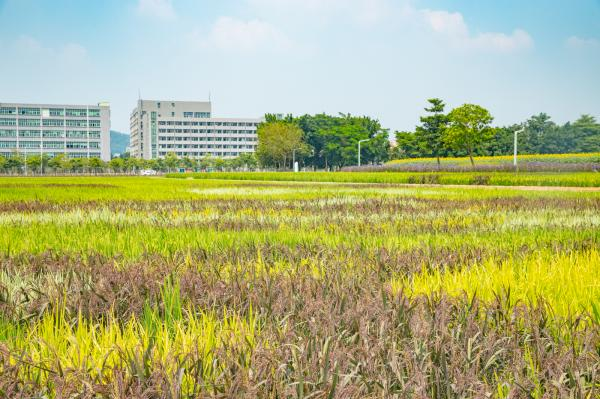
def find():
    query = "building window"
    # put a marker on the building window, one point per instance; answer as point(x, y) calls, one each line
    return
point(29, 122)
point(8, 110)
point(188, 114)
point(53, 133)
point(29, 133)
point(53, 122)
point(77, 144)
point(94, 113)
point(76, 112)
point(77, 134)
point(8, 133)
point(57, 111)
point(76, 123)
point(29, 144)
point(173, 114)
point(8, 144)
point(94, 123)
point(29, 111)
point(54, 144)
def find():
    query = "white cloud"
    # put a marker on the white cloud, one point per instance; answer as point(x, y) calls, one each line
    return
point(575, 42)
point(68, 54)
point(231, 34)
point(453, 28)
point(365, 12)
point(156, 8)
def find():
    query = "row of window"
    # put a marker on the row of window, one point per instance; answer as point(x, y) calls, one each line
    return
point(207, 131)
point(196, 114)
point(203, 154)
point(49, 122)
point(50, 144)
point(185, 146)
point(209, 138)
point(180, 123)
point(77, 134)
point(53, 154)
point(76, 112)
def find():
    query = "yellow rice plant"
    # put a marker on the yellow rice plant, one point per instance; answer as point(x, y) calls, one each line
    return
point(57, 345)
point(568, 283)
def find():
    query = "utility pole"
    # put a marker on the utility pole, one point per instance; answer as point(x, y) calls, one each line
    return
point(360, 141)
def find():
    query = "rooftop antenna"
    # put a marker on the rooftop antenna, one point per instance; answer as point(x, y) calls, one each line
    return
point(139, 94)
point(209, 96)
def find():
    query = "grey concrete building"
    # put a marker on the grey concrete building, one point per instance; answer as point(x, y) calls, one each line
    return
point(187, 128)
point(78, 131)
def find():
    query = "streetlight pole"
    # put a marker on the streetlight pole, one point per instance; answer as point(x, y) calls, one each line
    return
point(294, 158)
point(360, 141)
point(515, 147)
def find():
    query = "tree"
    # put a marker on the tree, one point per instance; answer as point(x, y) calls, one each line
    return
point(469, 128)
point(34, 162)
point(15, 162)
point(96, 164)
point(587, 134)
point(431, 132)
point(276, 142)
point(3, 163)
point(117, 164)
point(58, 162)
point(206, 162)
point(77, 164)
point(406, 146)
point(171, 161)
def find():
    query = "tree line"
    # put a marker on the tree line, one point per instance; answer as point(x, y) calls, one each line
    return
point(467, 131)
point(37, 164)
point(320, 141)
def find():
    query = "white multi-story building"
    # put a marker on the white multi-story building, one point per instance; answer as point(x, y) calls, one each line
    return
point(78, 131)
point(188, 129)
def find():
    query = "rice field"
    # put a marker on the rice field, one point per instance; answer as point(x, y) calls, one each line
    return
point(133, 287)
point(556, 179)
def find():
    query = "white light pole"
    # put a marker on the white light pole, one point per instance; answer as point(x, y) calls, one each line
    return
point(515, 146)
point(360, 141)
point(294, 158)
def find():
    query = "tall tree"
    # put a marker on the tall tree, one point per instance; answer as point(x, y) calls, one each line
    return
point(538, 135)
point(469, 128)
point(431, 132)
point(276, 142)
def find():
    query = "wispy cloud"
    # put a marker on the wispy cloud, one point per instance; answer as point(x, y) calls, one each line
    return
point(162, 9)
point(576, 42)
point(365, 12)
point(70, 54)
point(452, 27)
point(232, 34)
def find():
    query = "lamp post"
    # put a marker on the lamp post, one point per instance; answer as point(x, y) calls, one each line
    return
point(294, 158)
point(515, 147)
point(360, 141)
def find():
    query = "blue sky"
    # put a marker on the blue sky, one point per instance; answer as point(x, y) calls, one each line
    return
point(381, 58)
